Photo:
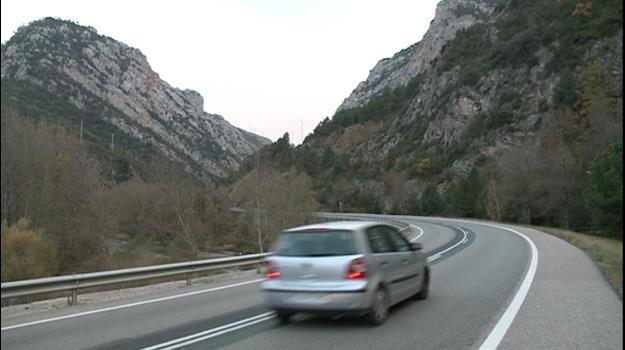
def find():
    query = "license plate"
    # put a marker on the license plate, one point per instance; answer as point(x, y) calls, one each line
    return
point(310, 298)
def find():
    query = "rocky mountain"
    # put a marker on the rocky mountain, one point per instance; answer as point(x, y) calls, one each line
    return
point(472, 69)
point(56, 68)
point(451, 16)
point(484, 77)
point(491, 83)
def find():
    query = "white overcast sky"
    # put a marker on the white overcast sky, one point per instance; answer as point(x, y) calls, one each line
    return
point(268, 66)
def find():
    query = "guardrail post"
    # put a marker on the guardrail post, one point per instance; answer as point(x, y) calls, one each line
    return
point(259, 267)
point(73, 298)
point(189, 277)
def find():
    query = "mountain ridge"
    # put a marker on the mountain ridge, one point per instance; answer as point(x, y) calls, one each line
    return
point(399, 69)
point(502, 120)
point(105, 81)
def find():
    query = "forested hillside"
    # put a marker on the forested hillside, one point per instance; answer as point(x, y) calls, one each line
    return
point(507, 110)
point(104, 164)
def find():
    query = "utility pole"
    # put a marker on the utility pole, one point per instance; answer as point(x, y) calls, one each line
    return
point(112, 141)
point(81, 122)
point(258, 204)
point(257, 211)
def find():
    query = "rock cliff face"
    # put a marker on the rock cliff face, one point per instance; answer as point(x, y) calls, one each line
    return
point(473, 86)
point(111, 86)
point(451, 16)
point(488, 77)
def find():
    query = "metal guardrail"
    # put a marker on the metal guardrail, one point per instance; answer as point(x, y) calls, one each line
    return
point(403, 227)
point(79, 281)
point(368, 217)
point(74, 283)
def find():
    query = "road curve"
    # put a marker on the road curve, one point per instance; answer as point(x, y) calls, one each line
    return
point(476, 275)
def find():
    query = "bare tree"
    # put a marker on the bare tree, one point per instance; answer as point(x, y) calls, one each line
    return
point(48, 179)
point(559, 164)
point(277, 201)
point(493, 206)
point(399, 193)
point(519, 176)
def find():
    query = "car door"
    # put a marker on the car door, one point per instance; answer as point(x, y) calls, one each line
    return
point(408, 264)
point(384, 260)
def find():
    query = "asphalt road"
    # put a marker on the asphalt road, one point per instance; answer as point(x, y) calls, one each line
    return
point(479, 274)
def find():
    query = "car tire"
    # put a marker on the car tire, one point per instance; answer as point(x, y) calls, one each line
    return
point(379, 310)
point(284, 316)
point(425, 286)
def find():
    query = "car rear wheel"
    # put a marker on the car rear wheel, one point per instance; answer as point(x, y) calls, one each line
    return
point(379, 309)
point(425, 286)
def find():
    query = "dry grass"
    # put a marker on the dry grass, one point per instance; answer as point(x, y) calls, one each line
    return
point(607, 253)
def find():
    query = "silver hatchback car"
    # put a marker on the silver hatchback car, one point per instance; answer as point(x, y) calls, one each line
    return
point(341, 268)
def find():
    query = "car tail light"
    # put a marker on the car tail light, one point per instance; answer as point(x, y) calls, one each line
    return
point(270, 269)
point(356, 269)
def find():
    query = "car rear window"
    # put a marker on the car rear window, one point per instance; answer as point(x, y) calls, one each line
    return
point(315, 243)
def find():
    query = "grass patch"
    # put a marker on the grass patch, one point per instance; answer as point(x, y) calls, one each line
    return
point(607, 253)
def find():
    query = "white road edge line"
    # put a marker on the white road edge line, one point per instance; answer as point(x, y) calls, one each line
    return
point(504, 323)
point(499, 331)
point(491, 342)
point(213, 332)
point(124, 306)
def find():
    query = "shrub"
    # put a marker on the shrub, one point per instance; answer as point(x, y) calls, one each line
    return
point(431, 202)
point(604, 192)
point(27, 253)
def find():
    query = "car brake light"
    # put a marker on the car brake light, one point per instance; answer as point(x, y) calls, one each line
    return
point(272, 274)
point(356, 269)
point(270, 269)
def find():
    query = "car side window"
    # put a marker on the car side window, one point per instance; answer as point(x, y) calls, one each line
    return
point(399, 242)
point(378, 240)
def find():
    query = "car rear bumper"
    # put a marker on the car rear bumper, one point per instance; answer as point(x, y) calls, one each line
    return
point(355, 302)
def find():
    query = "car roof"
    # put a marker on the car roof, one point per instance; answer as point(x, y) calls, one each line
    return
point(337, 225)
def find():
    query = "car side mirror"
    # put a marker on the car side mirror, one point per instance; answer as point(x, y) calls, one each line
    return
point(416, 246)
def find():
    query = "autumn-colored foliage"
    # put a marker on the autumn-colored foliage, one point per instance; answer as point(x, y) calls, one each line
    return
point(27, 253)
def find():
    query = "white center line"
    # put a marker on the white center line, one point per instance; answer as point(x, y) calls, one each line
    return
point(213, 332)
point(420, 232)
point(462, 241)
point(219, 333)
point(501, 328)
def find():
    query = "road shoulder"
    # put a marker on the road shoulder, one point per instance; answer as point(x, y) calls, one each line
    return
point(89, 302)
point(569, 306)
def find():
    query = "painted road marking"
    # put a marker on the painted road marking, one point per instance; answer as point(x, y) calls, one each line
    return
point(440, 254)
point(499, 331)
point(211, 333)
point(124, 306)
point(420, 232)
point(502, 326)
point(150, 301)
